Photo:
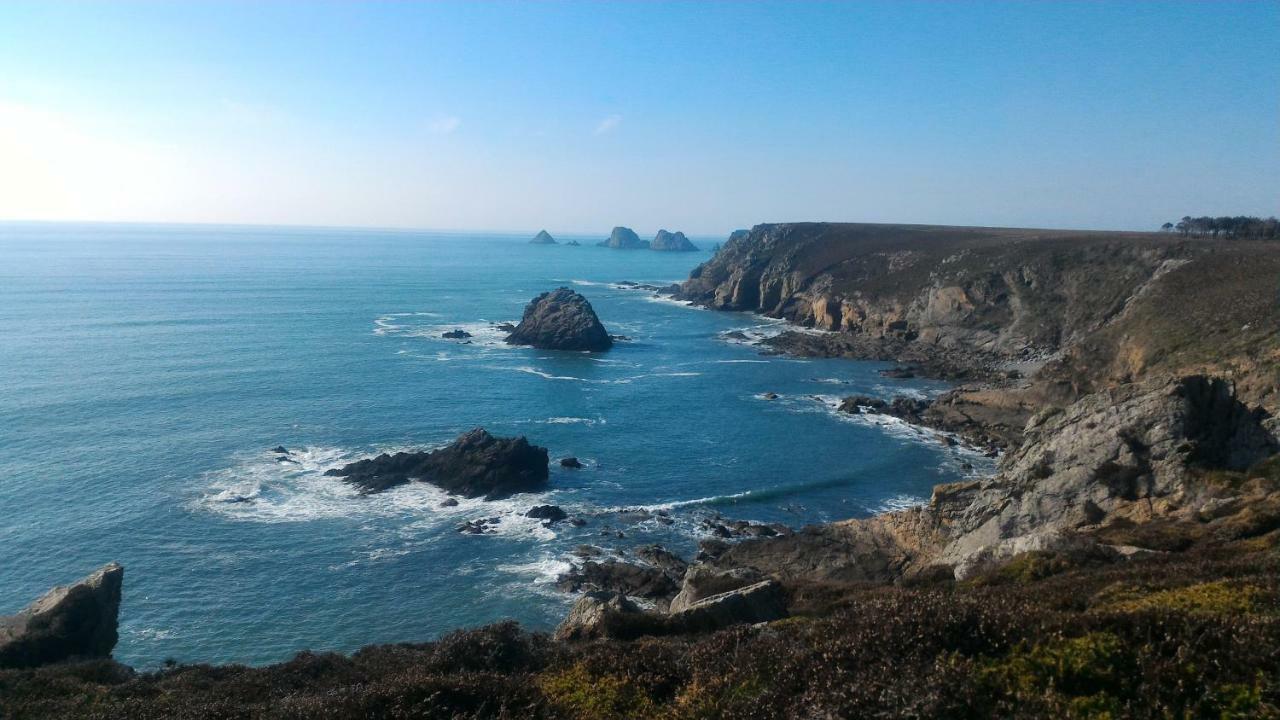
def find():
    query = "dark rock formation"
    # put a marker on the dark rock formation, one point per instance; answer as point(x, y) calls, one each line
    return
point(477, 464)
point(572, 243)
point(75, 621)
point(672, 242)
point(456, 334)
point(506, 327)
point(624, 238)
point(561, 320)
point(571, 462)
point(483, 526)
point(622, 577)
point(542, 238)
point(551, 513)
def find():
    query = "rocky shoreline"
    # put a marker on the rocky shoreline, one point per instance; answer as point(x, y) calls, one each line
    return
point(1120, 562)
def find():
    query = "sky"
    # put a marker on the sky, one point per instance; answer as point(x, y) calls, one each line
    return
point(578, 116)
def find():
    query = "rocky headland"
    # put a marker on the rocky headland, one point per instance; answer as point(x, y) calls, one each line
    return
point(477, 464)
point(561, 320)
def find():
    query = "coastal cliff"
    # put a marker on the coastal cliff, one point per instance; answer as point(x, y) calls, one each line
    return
point(1121, 562)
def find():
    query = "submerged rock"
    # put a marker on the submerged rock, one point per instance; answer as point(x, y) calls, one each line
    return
point(570, 462)
point(477, 464)
point(458, 334)
point(561, 320)
point(542, 238)
point(280, 449)
point(673, 242)
point(73, 621)
point(624, 238)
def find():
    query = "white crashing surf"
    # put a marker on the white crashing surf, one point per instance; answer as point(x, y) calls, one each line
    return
point(482, 333)
point(275, 488)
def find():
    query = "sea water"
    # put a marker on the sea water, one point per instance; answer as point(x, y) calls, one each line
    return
point(146, 372)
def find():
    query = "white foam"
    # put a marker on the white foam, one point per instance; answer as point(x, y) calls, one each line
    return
point(900, 502)
point(261, 489)
point(484, 333)
point(573, 421)
point(737, 362)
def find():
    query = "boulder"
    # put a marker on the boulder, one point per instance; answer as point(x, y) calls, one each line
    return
point(542, 238)
point(624, 238)
point(702, 581)
point(477, 464)
point(457, 334)
point(561, 320)
point(594, 614)
point(570, 462)
point(551, 513)
point(761, 602)
point(672, 242)
point(73, 621)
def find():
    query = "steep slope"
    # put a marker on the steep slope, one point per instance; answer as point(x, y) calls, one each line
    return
point(1073, 311)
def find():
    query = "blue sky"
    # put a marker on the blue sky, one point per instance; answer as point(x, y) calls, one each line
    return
point(696, 116)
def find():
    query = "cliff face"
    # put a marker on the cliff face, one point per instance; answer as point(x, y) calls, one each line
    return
point(1078, 310)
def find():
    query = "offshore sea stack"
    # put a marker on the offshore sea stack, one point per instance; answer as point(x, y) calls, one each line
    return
point(672, 242)
point(477, 464)
point(561, 320)
point(542, 238)
point(624, 238)
point(72, 621)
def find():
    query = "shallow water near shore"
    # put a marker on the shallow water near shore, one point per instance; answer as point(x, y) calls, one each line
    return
point(149, 370)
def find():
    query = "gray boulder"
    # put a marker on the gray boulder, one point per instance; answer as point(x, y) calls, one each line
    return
point(595, 615)
point(672, 242)
point(561, 320)
point(703, 581)
point(71, 621)
point(761, 602)
point(624, 238)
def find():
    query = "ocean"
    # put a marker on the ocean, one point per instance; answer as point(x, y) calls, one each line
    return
point(147, 371)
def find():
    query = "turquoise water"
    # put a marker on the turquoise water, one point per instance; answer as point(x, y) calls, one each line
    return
point(148, 370)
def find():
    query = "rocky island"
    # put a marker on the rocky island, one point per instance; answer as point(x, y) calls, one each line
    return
point(624, 238)
point(561, 320)
point(672, 242)
point(542, 238)
point(477, 464)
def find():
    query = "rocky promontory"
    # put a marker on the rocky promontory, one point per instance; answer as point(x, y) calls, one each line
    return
point(477, 464)
point(68, 622)
point(624, 238)
point(672, 242)
point(542, 238)
point(561, 320)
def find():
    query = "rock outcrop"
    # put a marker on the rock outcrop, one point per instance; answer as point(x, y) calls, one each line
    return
point(542, 238)
point(73, 621)
point(561, 320)
point(477, 464)
point(761, 602)
point(624, 238)
point(672, 242)
point(1124, 457)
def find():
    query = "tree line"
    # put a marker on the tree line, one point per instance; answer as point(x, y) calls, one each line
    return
point(1240, 226)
